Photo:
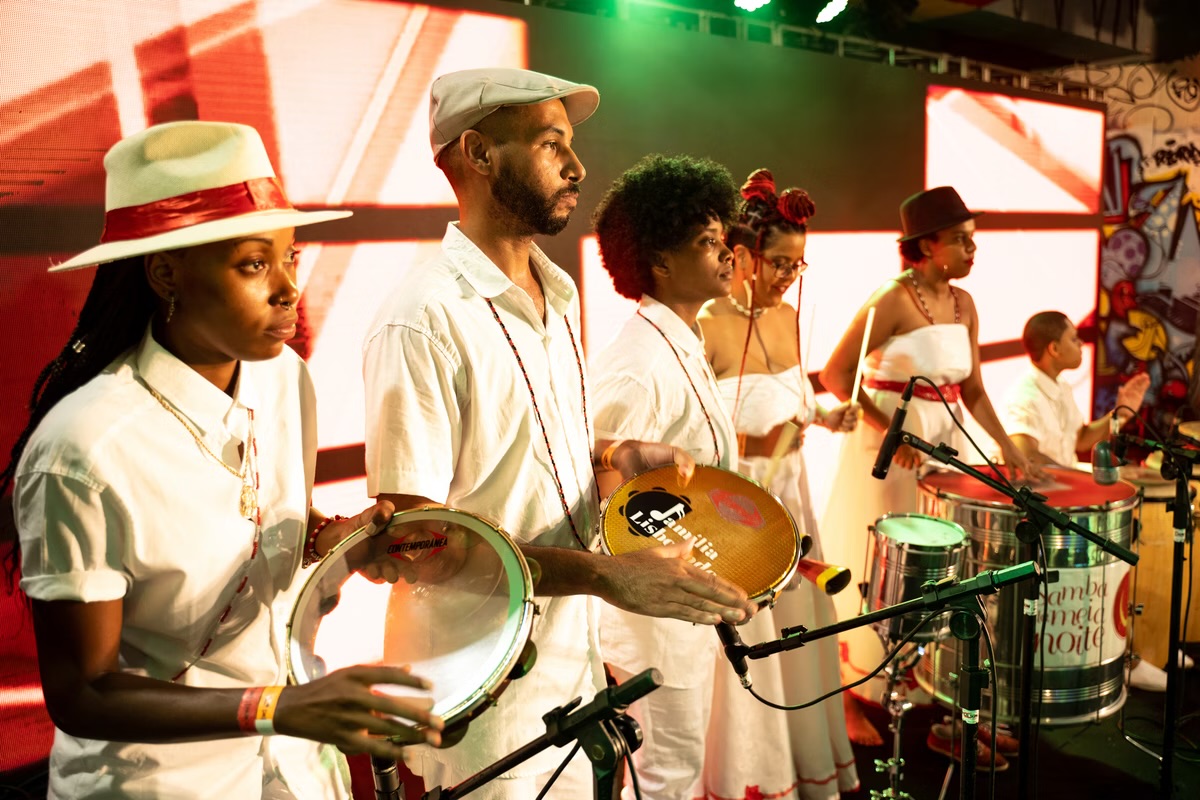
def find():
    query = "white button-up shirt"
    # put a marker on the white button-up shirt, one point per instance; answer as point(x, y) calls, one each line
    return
point(450, 417)
point(643, 392)
point(1044, 408)
point(115, 500)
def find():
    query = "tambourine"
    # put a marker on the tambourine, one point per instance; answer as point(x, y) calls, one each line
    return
point(460, 610)
point(739, 530)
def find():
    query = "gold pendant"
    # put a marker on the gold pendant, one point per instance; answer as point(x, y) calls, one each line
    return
point(249, 501)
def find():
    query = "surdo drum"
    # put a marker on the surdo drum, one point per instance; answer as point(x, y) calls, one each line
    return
point(911, 549)
point(1087, 609)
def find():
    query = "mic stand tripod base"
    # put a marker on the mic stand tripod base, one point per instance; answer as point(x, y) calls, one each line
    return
point(972, 680)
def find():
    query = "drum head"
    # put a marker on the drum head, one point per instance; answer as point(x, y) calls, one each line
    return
point(740, 531)
point(1064, 489)
point(920, 530)
point(460, 610)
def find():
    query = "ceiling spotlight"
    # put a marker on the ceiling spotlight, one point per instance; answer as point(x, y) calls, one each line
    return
point(750, 5)
point(831, 10)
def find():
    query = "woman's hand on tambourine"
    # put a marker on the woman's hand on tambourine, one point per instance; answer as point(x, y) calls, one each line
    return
point(634, 457)
point(662, 582)
point(343, 709)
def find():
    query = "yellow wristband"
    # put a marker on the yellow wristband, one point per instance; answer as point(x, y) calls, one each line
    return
point(606, 456)
point(264, 715)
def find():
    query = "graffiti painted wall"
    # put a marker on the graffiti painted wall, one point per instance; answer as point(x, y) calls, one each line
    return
point(1148, 309)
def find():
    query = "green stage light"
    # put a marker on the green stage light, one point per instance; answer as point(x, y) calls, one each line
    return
point(750, 5)
point(831, 10)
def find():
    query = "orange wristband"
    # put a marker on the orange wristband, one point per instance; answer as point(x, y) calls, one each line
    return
point(264, 715)
point(606, 456)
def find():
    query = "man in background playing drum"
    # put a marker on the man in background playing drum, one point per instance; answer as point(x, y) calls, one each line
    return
point(1043, 419)
point(477, 397)
point(1040, 413)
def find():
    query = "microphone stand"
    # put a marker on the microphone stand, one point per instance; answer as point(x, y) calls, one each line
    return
point(1033, 505)
point(1178, 463)
point(605, 733)
point(934, 596)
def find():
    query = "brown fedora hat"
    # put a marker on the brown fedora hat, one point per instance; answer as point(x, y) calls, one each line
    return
point(931, 211)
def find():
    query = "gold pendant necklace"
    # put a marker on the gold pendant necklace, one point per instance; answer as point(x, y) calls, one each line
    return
point(248, 499)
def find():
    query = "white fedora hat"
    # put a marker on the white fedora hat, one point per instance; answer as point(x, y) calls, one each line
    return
point(181, 184)
point(460, 100)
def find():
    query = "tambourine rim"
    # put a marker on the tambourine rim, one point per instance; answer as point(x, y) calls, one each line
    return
point(996, 505)
point(769, 594)
point(484, 694)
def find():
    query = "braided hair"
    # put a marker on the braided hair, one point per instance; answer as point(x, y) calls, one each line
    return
point(763, 213)
point(114, 316)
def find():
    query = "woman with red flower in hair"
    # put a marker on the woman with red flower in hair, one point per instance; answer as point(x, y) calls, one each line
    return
point(753, 345)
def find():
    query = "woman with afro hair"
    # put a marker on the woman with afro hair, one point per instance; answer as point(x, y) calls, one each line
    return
point(661, 228)
point(753, 345)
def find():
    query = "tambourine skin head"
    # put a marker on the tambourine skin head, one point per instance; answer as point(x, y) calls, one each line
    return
point(738, 529)
point(439, 589)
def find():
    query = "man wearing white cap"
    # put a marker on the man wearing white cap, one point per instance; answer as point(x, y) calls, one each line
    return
point(477, 397)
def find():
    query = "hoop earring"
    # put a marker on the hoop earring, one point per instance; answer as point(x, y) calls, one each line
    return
point(170, 307)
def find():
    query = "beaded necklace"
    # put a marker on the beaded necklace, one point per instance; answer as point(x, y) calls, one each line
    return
point(248, 507)
point(537, 413)
point(745, 312)
point(925, 309)
point(711, 429)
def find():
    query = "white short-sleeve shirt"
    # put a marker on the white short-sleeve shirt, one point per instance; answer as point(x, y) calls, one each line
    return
point(450, 417)
point(1044, 408)
point(644, 390)
point(115, 500)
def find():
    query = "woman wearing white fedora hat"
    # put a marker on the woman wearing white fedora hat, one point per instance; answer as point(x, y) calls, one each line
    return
point(161, 492)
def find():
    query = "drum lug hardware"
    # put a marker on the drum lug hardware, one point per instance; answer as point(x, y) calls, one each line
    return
point(1137, 610)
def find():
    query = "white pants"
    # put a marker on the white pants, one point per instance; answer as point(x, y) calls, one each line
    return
point(575, 782)
point(670, 762)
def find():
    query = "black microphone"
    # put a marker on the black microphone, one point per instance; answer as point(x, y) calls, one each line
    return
point(735, 651)
point(1104, 460)
point(891, 439)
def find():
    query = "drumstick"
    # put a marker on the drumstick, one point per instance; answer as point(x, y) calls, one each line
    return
point(862, 355)
point(786, 436)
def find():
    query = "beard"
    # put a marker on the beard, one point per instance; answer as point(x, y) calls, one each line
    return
point(532, 210)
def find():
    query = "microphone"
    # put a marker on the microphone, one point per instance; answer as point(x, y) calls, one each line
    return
point(891, 439)
point(735, 651)
point(1104, 459)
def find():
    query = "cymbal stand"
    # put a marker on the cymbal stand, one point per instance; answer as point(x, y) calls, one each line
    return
point(895, 700)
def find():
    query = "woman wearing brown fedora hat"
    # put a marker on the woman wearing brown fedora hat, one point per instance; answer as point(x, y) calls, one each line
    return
point(923, 325)
point(162, 491)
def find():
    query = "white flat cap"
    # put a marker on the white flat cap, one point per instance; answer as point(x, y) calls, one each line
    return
point(459, 100)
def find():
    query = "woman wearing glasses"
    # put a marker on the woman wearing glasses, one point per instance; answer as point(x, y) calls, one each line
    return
point(752, 342)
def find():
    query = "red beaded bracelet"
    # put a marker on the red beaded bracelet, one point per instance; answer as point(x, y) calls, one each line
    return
point(311, 556)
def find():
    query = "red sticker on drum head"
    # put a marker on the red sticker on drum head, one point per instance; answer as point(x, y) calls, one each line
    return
point(417, 546)
point(736, 508)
